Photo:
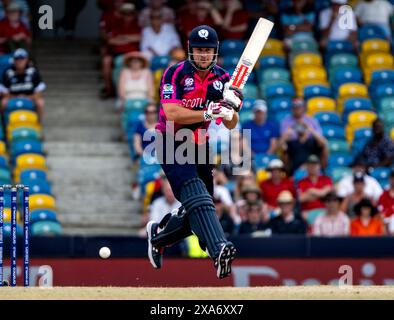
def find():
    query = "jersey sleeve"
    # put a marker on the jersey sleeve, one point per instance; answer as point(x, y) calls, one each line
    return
point(171, 90)
point(5, 83)
point(38, 84)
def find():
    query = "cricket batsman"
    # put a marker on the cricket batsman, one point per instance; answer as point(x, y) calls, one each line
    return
point(193, 93)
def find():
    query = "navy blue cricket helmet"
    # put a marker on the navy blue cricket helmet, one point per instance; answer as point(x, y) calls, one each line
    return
point(203, 37)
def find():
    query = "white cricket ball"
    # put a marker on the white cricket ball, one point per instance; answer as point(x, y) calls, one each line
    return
point(105, 252)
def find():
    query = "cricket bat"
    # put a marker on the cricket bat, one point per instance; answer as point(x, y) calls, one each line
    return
point(251, 54)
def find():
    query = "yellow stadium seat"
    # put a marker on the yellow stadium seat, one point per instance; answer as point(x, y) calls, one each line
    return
point(42, 201)
point(7, 215)
point(320, 104)
point(262, 175)
point(353, 90)
point(361, 119)
point(23, 116)
point(31, 161)
point(375, 45)
point(3, 149)
point(392, 134)
point(310, 75)
point(307, 59)
point(380, 60)
point(273, 47)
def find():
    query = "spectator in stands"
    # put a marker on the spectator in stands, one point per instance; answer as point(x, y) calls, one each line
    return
point(357, 195)
point(256, 219)
point(331, 28)
point(165, 204)
point(228, 224)
point(159, 38)
point(268, 9)
point(377, 12)
point(235, 20)
point(379, 150)
point(72, 9)
point(25, 10)
point(195, 13)
point(156, 6)
point(366, 224)
point(243, 179)
point(264, 134)
point(334, 222)
point(301, 136)
point(177, 55)
point(148, 125)
point(372, 188)
point(314, 187)
point(297, 21)
point(110, 16)
point(13, 32)
point(135, 80)
point(278, 182)
point(251, 193)
point(124, 37)
point(23, 80)
point(287, 222)
point(386, 202)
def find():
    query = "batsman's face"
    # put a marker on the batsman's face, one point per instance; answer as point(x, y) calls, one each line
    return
point(203, 56)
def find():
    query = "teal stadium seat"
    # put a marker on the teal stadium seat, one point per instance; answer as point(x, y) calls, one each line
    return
point(46, 228)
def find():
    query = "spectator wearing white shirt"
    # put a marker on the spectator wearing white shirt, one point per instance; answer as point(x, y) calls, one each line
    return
point(156, 6)
point(165, 204)
point(159, 38)
point(377, 12)
point(333, 223)
point(331, 28)
point(372, 188)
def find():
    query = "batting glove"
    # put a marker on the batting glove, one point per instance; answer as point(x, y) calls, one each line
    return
point(213, 112)
point(233, 96)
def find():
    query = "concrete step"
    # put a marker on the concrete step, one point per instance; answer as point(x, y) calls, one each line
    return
point(97, 231)
point(86, 134)
point(87, 149)
point(100, 163)
point(66, 118)
point(116, 209)
point(94, 220)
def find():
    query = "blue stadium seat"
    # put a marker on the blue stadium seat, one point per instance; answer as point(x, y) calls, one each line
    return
point(19, 104)
point(261, 160)
point(345, 75)
point(355, 104)
point(160, 62)
point(7, 230)
point(26, 146)
point(279, 104)
point(316, 91)
point(370, 31)
point(33, 174)
point(230, 62)
point(381, 76)
point(272, 62)
point(337, 173)
point(279, 90)
point(3, 162)
point(38, 186)
point(231, 47)
point(340, 160)
point(148, 173)
point(248, 104)
point(46, 228)
point(380, 173)
point(382, 91)
point(299, 174)
point(42, 215)
point(333, 132)
point(251, 91)
point(5, 62)
point(326, 118)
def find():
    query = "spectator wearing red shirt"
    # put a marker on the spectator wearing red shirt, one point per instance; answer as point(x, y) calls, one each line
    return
point(197, 13)
point(110, 17)
point(14, 33)
point(366, 224)
point(123, 38)
point(235, 20)
point(314, 187)
point(386, 200)
point(278, 182)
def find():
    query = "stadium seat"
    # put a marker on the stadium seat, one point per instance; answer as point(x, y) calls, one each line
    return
point(340, 60)
point(345, 75)
point(386, 104)
point(274, 74)
point(355, 104)
point(231, 47)
point(275, 91)
point(338, 146)
point(308, 75)
point(313, 214)
point(334, 46)
point(326, 118)
point(5, 174)
point(38, 186)
point(46, 228)
point(304, 46)
point(363, 118)
point(260, 161)
point(245, 116)
point(23, 117)
point(299, 174)
point(230, 62)
point(353, 90)
point(381, 77)
point(370, 31)
point(3, 162)
point(273, 47)
point(337, 173)
point(307, 59)
point(340, 160)
point(279, 104)
point(320, 104)
point(251, 91)
point(3, 150)
point(135, 104)
point(380, 173)
point(375, 45)
point(248, 104)
point(311, 91)
point(42, 215)
point(159, 62)
point(7, 230)
point(42, 201)
point(271, 62)
point(26, 146)
point(24, 133)
point(333, 132)
point(31, 161)
point(7, 215)
point(19, 104)
point(32, 174)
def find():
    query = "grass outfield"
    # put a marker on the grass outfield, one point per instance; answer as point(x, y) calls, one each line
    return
point(199, 293)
